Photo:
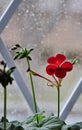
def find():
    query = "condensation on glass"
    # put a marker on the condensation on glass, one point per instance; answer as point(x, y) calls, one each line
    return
point(50, 27)
point(3, 5)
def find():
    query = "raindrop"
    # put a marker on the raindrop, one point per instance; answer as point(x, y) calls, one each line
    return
point(19, 14)
point(6, 26)
point(27, 11)
point(32, 6)
point(32, 14)
point(78, 23)
point(14, 111)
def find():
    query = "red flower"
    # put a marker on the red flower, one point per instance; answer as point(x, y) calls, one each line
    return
point(58, 66)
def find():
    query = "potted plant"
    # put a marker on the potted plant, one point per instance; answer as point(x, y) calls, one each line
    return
point(57, 67)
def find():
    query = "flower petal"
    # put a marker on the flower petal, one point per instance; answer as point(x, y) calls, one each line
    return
point(59, 59)
point(51, 60)
point(60, 73)
point(56, 60)
point(67, 66)
point(50, 69)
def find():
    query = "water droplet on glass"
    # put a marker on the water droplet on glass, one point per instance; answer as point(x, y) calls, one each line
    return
point(27, 11)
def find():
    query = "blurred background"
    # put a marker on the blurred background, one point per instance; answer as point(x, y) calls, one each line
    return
point(50, 27)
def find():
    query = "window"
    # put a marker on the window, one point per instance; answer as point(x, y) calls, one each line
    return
point(49, 27)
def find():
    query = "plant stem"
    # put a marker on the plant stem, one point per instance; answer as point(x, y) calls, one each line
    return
point(5, 94)
point(33, 91)
point(58, 88)
point(36, 74)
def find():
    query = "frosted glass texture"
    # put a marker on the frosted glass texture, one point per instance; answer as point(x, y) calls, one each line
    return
point(50, 27)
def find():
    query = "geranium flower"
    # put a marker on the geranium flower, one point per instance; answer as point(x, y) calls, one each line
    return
point(58, 66)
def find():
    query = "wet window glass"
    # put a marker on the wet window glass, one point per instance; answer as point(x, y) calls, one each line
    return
point(49, 27)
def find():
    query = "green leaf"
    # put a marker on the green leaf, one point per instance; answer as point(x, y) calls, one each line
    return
point(28, 120)
point(79, 124)
point(29, 126)
point(40, 115)
point(54, 126)
point(48, 122)
point(19, 128)
point(42, 128)
point(54, 120)
point(14, 125)
point(10, 127)
point(70, 127)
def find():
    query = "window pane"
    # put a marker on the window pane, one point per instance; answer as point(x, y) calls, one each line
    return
point(50, 27)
